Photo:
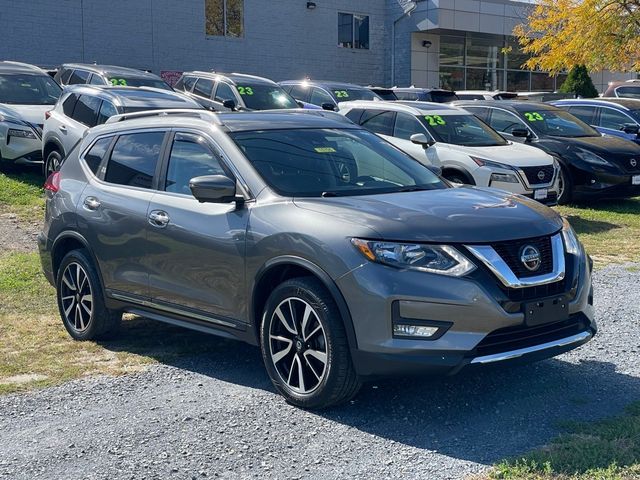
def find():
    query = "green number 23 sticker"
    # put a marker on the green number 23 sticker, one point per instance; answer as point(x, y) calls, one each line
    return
point(435, 120)
point(118, 82)
point(533, 116)
point(245, 90)
point(341, 93)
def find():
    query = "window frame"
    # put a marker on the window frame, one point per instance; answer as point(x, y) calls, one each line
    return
point(86, 80)
point(75, 107)
point(204, 79)
point(598, 119)
point(225, 22)
point(424, 129)
point(381, 111)
point(214, 95)
point(354, 16)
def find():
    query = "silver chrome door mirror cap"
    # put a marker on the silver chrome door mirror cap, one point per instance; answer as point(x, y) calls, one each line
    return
point(494, 262)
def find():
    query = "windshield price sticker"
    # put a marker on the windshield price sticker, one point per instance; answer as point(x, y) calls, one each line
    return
point(118, 82)
point(533, 116)
point(435, 120)
point(341, 93)
point(245, 91)
point(325, 150)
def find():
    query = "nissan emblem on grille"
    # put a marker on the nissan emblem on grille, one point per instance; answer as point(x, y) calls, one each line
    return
point(541, 175)
point(530, 258)
point(633, 162)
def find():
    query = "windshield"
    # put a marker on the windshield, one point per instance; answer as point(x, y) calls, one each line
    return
point(463, 129)
point(351, 93)
point(28, 89)
point(557, 123)
point(139, 82)
point(265, 97)
point(332, 162)
point(628, 92)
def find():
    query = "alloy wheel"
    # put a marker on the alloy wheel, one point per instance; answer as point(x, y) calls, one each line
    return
point(76, 297)
point(53, 163)
point(298, 345)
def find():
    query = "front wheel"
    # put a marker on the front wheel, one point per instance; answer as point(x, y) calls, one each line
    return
point(304, 345)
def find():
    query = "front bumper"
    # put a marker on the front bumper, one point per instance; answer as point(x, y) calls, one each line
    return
point(481, 324)
point(21, 151)
point(546, 193)
point(607, 186)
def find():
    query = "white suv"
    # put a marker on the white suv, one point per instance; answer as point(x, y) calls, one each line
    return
point(467, 149)
point(26, 93)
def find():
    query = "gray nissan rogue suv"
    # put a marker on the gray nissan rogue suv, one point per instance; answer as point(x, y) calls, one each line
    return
point(342, 257)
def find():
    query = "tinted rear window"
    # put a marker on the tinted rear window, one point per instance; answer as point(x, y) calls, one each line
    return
point(86, 111)
point(443, 97)
point(96, 153)
point(134, 159)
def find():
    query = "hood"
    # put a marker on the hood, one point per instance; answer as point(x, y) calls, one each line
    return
point(450, 215)
point(27, 113)
point(606, 147)
point(515, 154)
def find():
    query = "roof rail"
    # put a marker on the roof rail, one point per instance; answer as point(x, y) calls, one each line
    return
point(22, 64)
point(181, 112)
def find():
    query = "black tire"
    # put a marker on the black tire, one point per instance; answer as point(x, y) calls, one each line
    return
point(337, 381)
point(82, 322)
point(565, 186)
point(52, 163)
point(457, 177)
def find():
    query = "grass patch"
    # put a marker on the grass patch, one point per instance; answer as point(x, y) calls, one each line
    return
point(604, 450)
point(608, 229)
point(36, 351)
point(22, 194)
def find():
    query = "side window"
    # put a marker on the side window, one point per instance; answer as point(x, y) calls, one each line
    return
point(94, 156)
point(407, 125)
point(96, 80)
point(86, 111)
point(583, 112)
point(179, 84)
point(69, 104)
point(504, 122)
point(481, 112)
point(224, 92)
point(66, 75)
point(203, 88)
point(378, 121)
point(610, 118)
point(134, 158)
point(190, 158)
point(189, 82)
point(300, 92)
point(407, 96)
point(79, 77)
point(628, 92)
point(318, 97)
point(107, 110)
point(354, 115)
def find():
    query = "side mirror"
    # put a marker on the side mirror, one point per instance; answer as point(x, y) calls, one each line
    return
point(421, 139)
point(230, 104)
point(300, 104)
point(329, 106)
point(213, 189)
point(631, 128)
point(520, 132)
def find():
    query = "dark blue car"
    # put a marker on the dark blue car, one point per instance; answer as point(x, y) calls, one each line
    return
point(610, 116)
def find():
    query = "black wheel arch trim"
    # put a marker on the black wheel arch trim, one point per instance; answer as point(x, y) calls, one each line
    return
point(55, 142)
point(460, 170)
point(326, 280)
point(76, 236)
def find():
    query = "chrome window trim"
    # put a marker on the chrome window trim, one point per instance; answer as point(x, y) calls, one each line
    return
point(494, 262)
point(499, 357)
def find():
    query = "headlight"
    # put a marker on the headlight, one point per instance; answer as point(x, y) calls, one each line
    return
point(12, 132)
point(591, 157)
point(441, 259)
point(571, 242)
point(483, 162)
point(504, 177)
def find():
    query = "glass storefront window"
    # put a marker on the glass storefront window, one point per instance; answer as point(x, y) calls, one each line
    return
point(515, 56)
point(541, 81)
point(485, 52)
point(484, 79)
point(560, 80)
point(452, 78)
point(451, 50)
point(518, 80)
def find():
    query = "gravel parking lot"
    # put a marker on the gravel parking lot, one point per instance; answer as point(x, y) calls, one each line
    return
point(218, 416)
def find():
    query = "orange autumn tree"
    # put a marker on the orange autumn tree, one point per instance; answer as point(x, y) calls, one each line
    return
point(601, 34)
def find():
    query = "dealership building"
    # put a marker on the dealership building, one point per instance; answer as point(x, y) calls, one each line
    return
point(458, 44)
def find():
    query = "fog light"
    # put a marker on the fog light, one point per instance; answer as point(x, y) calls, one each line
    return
point(414, 331)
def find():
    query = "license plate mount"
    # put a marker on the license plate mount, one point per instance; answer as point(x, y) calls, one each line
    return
point(540, 194)
point(546, 310)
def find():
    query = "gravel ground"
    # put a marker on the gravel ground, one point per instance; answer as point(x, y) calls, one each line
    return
point(218, 416)
point(16, 235)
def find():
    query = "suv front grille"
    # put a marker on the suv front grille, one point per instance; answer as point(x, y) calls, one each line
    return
point(627, 164)
point(539, 175)
point(511, 251)
point(522, 336)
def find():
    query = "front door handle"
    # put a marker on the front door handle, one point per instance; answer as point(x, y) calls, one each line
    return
point(62, 128)
point(159, 218)
point(91, 203)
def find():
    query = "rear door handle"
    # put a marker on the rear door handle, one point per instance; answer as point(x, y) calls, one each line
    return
point(91, 203)
point(159, 218)
point(62, 128)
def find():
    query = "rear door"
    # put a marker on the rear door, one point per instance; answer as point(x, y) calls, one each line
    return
point(114, 205)
point(197, 260)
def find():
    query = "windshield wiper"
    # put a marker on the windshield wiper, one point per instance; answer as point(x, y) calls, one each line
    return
point(413, 189)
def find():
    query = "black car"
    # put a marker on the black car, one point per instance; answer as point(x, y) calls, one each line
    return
point(326, 94)
point(592, 165)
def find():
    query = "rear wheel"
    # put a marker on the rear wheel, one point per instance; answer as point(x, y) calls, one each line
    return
point(52, 163)
point(304, 345)
point(80, 299)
